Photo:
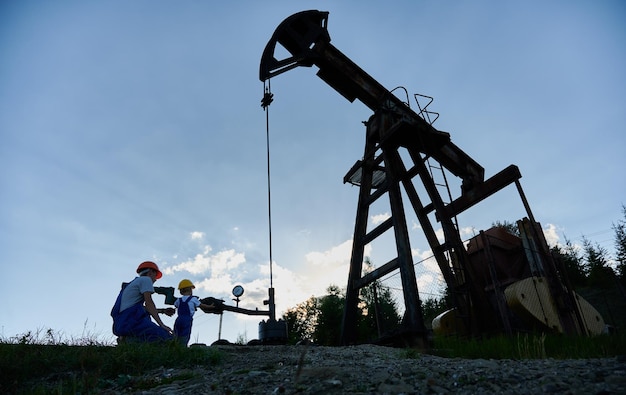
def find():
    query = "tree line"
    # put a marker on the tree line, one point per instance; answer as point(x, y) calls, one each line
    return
point(597, 275)
point(318, 319)
point(591, 270)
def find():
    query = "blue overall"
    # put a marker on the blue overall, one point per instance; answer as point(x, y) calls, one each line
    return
point(134, 322)
point(182, 325)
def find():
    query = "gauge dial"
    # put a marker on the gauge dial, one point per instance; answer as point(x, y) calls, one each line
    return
point(238, 291)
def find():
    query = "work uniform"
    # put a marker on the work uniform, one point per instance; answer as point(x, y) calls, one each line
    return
point(130, 318)
point(182, 326)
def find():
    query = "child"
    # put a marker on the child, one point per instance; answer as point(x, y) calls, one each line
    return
point(186, 305)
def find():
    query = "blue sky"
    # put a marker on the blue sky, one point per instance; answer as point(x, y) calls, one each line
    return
point(133, 131)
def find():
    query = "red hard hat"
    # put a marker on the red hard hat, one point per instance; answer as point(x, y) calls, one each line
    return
point(150, 265)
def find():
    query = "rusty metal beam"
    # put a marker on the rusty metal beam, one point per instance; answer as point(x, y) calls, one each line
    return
point(379, 230)
point(376, 274)
point(482, 191)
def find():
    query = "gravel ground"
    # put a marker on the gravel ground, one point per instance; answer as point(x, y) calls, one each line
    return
point(369, 369)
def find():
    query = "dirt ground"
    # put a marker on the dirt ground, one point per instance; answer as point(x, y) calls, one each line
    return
point(370, 369)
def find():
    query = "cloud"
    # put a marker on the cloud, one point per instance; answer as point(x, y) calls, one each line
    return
point(214, 265)
point(439, 234)
point(196, 235)
point(215, 285)
point(467, 232)
point(216, 273)
point(419, 255)
point(425, 280)
point(380, 218)
point(335, 255)
point(428, 273)
point(551, 236)
point(290, 288)
point(321, 269)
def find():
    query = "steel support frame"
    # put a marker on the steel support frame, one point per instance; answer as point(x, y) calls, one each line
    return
point(450, 255)
point(385, 136)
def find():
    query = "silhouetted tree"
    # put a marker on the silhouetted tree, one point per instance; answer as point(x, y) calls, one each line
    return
point(317, 319)
point(620, 247)
point(599, 273)
point(510, 227)
point(572, 263)
point(380, 310)
point(330, 314)
point(301, 320)
point(431, 308)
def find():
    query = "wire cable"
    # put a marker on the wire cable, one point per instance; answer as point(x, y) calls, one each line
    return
point(265, 103)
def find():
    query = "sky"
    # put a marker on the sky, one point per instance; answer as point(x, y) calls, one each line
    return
point(133, 131)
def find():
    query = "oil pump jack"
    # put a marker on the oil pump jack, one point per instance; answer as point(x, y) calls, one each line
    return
point(499, 282)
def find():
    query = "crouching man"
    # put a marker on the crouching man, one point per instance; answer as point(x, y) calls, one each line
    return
point(134, 307)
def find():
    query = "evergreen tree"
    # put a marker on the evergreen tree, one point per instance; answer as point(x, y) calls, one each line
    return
point(380, 310)
point(330, 315)
point(599, 273)
point(572, 263)
point(508, 226)
point(431, 308)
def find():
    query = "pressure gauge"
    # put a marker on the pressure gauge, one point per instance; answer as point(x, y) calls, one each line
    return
point(238, 291)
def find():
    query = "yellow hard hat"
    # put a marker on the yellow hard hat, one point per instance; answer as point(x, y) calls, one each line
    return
point(185, 284)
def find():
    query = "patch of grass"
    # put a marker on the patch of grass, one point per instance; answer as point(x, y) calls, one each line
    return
point(144, 383)
point(532, 346)
point(30, 363)
point(410, 353)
